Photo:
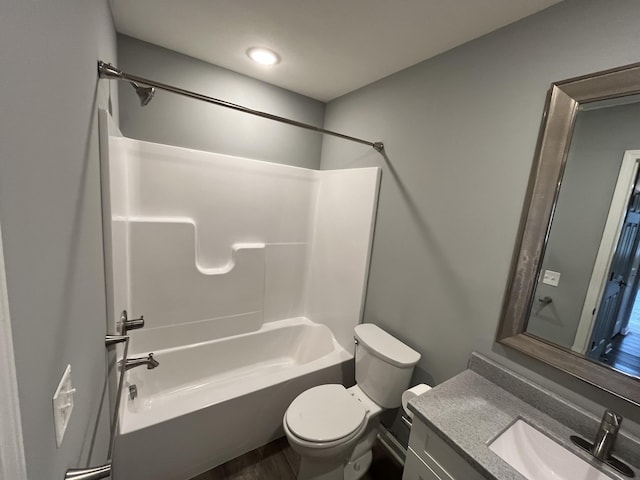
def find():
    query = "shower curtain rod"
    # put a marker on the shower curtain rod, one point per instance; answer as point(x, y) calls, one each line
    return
point(106, 70)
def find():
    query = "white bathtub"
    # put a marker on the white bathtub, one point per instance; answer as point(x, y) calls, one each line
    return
point(210, 402)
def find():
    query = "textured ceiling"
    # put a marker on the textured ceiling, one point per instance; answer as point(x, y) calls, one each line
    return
point(328, 47)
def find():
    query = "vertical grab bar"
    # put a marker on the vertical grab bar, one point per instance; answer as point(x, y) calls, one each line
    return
point(104, 471)
point(112, 340)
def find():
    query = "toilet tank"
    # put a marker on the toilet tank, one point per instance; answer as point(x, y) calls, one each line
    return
point(384, 365)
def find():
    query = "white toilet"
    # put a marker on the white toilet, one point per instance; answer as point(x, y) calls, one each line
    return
point(333, 428)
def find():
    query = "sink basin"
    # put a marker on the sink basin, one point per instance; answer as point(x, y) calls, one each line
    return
point(538, 457)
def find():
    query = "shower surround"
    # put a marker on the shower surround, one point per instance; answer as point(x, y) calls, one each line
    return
point(250, 276)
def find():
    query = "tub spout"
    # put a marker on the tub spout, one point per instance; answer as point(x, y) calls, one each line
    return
point(149, 361)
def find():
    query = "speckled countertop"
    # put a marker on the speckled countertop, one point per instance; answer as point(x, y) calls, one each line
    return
point(470, 410)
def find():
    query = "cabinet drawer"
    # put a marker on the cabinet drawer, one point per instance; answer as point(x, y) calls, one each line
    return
point(416, 469)
point(439, 456)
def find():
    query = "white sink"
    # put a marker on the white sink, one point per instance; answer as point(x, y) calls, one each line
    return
point(538, 457)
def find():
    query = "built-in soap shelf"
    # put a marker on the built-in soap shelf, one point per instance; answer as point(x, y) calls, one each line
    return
point(260, 282)
point(167, 283)
point(177, 229)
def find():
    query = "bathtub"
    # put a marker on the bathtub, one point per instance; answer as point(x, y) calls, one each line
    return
point(210, 402)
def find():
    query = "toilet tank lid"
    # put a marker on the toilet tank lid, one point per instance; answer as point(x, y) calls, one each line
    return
point(386, 346)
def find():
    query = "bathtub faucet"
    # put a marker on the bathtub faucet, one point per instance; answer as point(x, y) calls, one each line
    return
point(149, 361)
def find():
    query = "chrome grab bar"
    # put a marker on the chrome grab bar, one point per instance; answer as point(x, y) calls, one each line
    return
point(104, 471)
point(116, 409)
point(114, 339)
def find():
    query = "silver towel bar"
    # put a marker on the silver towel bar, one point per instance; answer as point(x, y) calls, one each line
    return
point(95, 473)
point(104, 471)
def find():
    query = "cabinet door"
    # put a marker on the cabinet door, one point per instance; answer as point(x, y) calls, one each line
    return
point(441, 459)
point(416, 469)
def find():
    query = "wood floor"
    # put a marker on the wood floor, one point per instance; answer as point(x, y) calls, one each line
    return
point(276, 461)
point(625, 349)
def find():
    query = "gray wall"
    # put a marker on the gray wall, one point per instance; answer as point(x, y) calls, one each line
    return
point(177, 120)
point(600, 139)
point(51, 224)
point(460, 132)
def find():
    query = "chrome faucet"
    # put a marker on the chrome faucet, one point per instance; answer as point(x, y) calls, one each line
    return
point(149, 361)
point(606, 436)
point(603, 445)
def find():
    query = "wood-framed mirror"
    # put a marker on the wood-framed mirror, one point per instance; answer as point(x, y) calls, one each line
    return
point(570, 234)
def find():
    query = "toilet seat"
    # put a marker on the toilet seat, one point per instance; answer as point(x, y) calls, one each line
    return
point(326, 414)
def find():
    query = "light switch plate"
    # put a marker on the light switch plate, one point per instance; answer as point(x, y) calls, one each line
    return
point(551, 278)
point(63, 405)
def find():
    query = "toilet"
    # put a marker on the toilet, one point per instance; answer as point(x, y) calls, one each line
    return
point(333, 428)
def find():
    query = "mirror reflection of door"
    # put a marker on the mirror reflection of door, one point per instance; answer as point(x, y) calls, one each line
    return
point(615, 338)
point(619, 292)
point(621, 325)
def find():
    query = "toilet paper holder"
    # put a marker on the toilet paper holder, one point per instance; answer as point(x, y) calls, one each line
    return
point(409, 394)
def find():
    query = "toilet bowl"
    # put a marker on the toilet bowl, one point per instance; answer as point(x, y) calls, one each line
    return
point(333, 428)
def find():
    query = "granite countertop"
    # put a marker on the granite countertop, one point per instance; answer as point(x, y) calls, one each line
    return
point(469, 411)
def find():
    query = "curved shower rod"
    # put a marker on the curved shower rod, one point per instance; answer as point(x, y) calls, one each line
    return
point(106, 70)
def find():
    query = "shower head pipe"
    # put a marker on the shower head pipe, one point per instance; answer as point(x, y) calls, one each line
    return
point(145, 94)
point(106, 70)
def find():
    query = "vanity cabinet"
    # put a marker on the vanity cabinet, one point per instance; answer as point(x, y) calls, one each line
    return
point(430, 458)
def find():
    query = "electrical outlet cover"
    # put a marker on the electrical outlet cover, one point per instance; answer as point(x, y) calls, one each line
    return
point(63, 405)
point(551, 278)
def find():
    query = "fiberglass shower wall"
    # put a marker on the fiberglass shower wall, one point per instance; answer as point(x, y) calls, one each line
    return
point(207, 245)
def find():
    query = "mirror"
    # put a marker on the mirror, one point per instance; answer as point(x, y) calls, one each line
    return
point(574, 279)
point(585, 295)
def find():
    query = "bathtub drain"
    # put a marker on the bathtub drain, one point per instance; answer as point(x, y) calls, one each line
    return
point(133, 392)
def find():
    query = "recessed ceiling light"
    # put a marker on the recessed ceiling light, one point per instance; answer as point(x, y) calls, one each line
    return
point(263, 56)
